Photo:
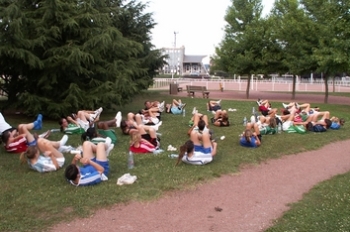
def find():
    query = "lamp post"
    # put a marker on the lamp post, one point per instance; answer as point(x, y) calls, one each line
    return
point(173, 60)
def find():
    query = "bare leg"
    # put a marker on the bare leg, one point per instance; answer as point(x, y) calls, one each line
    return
point(101, 152)
point(23, 129)
point(46, 145)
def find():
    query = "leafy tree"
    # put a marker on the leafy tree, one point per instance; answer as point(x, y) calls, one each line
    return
point(89, 54)
point(332, 19)
point(297, 37)
point(240, 52)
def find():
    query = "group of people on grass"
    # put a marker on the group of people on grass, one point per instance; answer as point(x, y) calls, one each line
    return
point(99, 138)
point(294, 117)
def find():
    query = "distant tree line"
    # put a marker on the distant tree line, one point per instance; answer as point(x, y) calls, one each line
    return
point(57, 56)
point(297, 37)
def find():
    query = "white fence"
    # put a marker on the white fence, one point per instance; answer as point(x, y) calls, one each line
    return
point(257, 85)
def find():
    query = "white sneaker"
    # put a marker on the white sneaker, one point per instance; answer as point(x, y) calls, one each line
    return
point(63, 140)
point(194, 110)
point(118, 119)
point(65, 149)
point(218, 102)
point(109, 149)
point(285, 105)
point(108, 142)
point(161, 106)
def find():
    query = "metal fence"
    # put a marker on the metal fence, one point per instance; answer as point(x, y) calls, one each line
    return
point(277, 84)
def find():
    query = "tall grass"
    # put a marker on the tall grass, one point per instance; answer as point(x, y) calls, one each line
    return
point(34, 201)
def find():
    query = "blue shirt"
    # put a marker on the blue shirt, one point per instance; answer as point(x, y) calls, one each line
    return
point(89, 176)
point(245, 143)
point(335, 126)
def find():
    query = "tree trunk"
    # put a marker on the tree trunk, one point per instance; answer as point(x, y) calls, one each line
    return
point(293, 89)
point(248, 86)
point(326, 88)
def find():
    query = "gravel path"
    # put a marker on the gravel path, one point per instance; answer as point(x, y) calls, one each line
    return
point(249, 200)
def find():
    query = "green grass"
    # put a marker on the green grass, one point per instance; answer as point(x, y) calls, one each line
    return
point(34, 201)
point(325, 208)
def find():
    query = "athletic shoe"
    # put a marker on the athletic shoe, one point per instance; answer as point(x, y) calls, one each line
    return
point(74, 152)
point(258, 102)
point(96, 114)
point(108, 142)
point(182, 106)
point(213, 112)
point(109, 149)
point(161, 106)
point(285, 105)
point(218, 102)
point(38, 123)
point(74, 116)
point(65, 149)
point(194, 110)
point(118, 119)
point(63, 140)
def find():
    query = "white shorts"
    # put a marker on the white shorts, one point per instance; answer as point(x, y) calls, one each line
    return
point(147, 120)
point(286, 125)
point(82, 124)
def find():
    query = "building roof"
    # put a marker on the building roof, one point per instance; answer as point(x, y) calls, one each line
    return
point(193, 59)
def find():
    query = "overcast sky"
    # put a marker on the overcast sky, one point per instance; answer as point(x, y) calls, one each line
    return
point(198, 23)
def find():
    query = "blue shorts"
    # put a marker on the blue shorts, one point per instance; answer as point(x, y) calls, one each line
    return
point(104, 164)
point(175, 110)
point(204, 150)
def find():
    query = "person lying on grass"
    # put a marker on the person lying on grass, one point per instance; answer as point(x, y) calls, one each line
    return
point(251, 137)
point(45, 155)
point(199, 150)
point(80, 122)
point(94, 169)
point(18, 140)
point(176, 107)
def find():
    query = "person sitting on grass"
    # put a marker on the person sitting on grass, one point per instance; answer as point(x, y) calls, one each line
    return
point(80, 122)
point(94, 169)
point(220, 118)
point(214, 105)
point(250, 138)
point(199, 150)
point(176, 107)
point(45, 156)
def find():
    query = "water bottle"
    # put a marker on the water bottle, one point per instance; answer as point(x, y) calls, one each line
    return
point(245, 121)
point(130, 160)
point(183, 112)
point(173, 156)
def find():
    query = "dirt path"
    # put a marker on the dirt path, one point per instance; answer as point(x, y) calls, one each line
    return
point(250, 200)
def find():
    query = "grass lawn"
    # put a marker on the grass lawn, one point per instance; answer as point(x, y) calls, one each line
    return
point(325, 208)
point(34, 201)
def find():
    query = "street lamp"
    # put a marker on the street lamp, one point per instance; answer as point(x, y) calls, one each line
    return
point(173, 60)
